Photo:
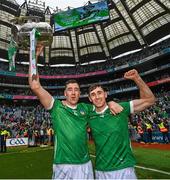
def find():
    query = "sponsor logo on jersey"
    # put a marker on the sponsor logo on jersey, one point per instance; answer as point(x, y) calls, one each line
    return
point(102, 115)
point(75, 112)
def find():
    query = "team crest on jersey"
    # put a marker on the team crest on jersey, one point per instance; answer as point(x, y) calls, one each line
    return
point(82, 112)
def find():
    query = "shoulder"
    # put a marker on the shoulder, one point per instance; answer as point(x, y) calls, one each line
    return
point(127, 107)
point(54, 104)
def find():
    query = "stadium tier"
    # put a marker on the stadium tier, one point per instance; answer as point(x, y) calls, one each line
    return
point(91, 53)
point(98, 43)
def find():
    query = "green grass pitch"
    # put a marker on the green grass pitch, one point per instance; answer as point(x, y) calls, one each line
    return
point(36, 163)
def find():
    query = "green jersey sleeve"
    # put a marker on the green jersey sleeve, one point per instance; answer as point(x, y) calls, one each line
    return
point(126, 107)
point(55, 105)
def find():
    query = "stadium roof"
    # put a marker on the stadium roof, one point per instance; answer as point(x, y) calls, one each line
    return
point(132, 25)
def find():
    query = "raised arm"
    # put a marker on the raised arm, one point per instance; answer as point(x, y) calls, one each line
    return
point(34, 82)
point(147, 98)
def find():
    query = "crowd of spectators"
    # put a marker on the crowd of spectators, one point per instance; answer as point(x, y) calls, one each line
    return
point(154, 119)
point(35, 122)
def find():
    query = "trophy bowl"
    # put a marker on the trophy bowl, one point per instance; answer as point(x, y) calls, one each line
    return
point(22, 27)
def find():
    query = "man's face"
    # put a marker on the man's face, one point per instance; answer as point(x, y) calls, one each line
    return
point(98, 97)
point(72, 94)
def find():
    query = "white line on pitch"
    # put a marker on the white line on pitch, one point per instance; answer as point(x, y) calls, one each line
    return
point(141, 167)
point(150, 169)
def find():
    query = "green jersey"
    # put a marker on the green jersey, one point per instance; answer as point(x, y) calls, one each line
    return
point(70, 133)
point(111, 137)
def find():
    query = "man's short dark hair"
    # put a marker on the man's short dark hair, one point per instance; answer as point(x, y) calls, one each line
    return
point(94, 86)
point(71, 81)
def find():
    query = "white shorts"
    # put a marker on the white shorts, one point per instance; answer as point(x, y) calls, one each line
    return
point(73, 171)
point(127, 173)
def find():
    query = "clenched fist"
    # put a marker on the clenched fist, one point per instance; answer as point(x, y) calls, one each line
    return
point(132, 75)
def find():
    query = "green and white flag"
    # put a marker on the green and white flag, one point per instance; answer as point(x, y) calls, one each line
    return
point(12, 49)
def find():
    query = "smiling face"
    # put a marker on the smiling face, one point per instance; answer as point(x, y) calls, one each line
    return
point(98, 97)
point(72, 94)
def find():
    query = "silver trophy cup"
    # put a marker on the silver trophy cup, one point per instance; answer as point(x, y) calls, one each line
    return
point(22, 26)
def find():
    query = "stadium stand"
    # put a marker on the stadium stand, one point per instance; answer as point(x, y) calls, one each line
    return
point(92, 53)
